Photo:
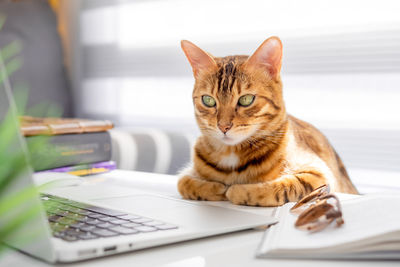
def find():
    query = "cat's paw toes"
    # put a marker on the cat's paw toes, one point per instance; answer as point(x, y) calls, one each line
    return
point(194, 189)
point(237, 194)
point(217, 192)
point(249, 195)
point(184, 188)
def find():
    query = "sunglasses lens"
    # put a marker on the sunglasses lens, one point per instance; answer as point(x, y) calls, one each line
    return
point(316, 225)
point(300, 207)
point(309, 200)
point(318, 217)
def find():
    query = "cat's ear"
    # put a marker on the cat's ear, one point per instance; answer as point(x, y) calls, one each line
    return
point(268, 56)
point(198, 59)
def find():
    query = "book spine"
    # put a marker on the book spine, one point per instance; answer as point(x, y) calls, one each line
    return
point(50, 152)
point(86, 169)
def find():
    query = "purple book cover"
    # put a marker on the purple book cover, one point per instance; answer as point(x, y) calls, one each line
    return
point(106, 165)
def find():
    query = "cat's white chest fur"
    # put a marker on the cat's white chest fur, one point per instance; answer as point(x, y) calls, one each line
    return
point(230, 161)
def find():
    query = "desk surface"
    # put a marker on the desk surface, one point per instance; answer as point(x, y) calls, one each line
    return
point(236, 249)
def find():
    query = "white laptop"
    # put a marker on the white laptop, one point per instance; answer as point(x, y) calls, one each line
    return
point(60, 229)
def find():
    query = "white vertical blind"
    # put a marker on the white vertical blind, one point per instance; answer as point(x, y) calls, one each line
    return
point(143, 24)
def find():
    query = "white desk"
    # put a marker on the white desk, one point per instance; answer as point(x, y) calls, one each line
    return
point(236, 249)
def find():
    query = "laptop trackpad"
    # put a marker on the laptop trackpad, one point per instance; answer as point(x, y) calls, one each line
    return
point(149, 205)
point(179, 212)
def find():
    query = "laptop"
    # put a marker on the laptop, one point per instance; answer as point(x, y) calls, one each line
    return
point(56, 228)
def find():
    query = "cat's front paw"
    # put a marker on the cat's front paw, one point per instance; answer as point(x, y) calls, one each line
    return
point(248, 194)
point(197, 189)
point(239, 194)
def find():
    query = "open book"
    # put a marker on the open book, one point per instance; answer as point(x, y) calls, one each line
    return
point(371, 231)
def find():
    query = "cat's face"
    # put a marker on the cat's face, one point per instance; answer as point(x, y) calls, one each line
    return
point(237, 97)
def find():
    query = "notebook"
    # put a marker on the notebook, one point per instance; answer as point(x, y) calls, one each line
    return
point(371, 231)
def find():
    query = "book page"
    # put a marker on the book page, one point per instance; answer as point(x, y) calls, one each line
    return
point(365, 217)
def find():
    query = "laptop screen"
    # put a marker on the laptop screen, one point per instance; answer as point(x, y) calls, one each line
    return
point(22, 220)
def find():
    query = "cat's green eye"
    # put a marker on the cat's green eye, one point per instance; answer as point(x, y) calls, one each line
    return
point(208, 101)
point(246, 100)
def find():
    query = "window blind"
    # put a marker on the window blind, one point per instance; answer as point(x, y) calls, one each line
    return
point(340, 70)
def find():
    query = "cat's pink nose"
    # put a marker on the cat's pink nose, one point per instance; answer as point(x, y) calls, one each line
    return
point(225, 127)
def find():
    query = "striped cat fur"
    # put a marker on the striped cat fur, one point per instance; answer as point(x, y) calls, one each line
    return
point(257, 154)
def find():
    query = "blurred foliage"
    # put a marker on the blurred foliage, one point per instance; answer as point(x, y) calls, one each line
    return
point(19, 202)
point(14, 166)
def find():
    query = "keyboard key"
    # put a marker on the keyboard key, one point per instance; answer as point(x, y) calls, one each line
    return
point(145, 229)
point(79, 211)
point(84, 219)
point(72, 209)
point(58, 234)
point(123, 230)
point(95, 215)
point(166, 227)
point(131, 224)
point(74, 216)
point(53, 210)
point(128, 217)
point(54, 218)
point(106, 211)
point(104, 233)
point(62, 206)
point(64, 213)
point(105, 225)
point(85, 212)
point(50, 207)
point(141, 220)
point(93, 221)
point(106, 218)
point(66, 221)
point(78, 225)
point(87, 236)
point(117, 221)
point(72, 221)
point(88, 228)
point(55, 227)
point(67, 208)
point(73, 232)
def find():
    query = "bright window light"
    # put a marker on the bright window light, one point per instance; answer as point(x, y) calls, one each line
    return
point(98, 26)
point(156, 97)
point(164, 23)
point(331, 100)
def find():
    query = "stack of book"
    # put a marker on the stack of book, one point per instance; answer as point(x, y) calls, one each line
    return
point(76, 146)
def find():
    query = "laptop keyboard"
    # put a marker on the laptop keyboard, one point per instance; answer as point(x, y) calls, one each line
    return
point(73, 221)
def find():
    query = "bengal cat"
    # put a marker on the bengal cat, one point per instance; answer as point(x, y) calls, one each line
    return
point(251, 152)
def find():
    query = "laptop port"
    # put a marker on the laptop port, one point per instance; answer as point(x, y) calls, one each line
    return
point(87, 252)
point(109, 249)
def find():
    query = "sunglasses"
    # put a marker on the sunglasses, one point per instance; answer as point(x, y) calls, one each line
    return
point(317, 210)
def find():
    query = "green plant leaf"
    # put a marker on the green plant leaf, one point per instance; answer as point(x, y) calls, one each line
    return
point(2, 21)
point(11, 67)
point(11, 50)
